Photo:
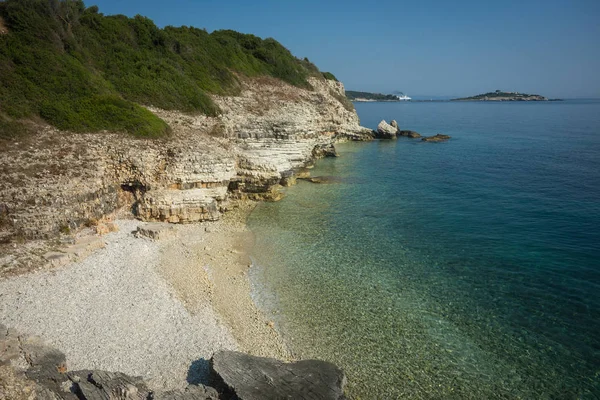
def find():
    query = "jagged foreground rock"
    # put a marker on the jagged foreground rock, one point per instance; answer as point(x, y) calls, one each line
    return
point(247, 377)
point(30, 369)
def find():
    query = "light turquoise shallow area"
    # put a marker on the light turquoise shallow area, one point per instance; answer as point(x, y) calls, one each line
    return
point(466, 269)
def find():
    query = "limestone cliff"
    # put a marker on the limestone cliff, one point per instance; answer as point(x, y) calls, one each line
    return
point(57, 181)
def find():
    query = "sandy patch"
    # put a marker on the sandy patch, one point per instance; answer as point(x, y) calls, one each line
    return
point(157, 309)
point(212, 269)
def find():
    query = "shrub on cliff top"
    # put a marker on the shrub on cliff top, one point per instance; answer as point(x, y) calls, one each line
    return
point(330, 76)
point(83, 71)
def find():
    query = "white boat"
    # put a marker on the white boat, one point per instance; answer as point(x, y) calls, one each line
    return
point(403, 97)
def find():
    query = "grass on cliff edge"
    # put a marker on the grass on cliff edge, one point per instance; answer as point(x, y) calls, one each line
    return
point(83, 71)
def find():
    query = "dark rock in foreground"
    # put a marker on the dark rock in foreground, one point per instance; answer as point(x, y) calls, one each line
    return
point(30, 369)
point(100, 385)
point(256, 378)
point(437, 138)
point(107, 385)
point(410, 134)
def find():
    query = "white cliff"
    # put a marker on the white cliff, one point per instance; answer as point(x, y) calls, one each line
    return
point(58, 181)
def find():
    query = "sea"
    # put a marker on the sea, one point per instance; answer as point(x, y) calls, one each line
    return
point(468, 269)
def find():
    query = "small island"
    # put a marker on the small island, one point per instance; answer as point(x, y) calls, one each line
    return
point(499, 95)
point(366, 96)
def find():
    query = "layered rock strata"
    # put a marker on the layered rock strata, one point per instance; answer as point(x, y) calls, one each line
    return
point(57, 181)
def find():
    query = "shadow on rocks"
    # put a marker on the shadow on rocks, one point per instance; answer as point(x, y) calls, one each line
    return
point(199, 373)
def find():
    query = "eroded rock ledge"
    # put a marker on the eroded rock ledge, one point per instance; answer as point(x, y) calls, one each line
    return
point(58, 181)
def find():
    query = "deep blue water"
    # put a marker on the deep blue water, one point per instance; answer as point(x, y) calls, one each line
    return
point(465, 269)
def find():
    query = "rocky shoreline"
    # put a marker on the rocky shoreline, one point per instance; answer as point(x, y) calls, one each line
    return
point(43, 374)
point(154, 297)
point(156, 304)
point(393, 131)
point(56, 182)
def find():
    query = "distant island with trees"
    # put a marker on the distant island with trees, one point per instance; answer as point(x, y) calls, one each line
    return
point(367, 96)
point(499, 95)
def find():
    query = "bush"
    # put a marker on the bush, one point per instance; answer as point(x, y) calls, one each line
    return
point(104, 113)
point(83, 71)
point(10, 129)
point(329, 76)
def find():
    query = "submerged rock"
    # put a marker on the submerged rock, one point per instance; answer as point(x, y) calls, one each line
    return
point(437, 138)
point(320, 179)
point(409, 133)
point(303, 173)
point(386, 131)
point(247, 377)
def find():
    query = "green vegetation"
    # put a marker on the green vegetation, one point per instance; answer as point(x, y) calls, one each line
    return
point(352, 95)
point(343, 99)
point(83, 71)
point(499, 95)
point(329, 76)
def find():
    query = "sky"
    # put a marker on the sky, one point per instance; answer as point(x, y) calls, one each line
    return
point(424, 48)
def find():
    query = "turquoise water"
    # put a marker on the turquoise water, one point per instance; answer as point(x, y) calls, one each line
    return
point(468, 269)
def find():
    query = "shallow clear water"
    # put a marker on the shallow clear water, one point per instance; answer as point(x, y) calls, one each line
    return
point(465, 269)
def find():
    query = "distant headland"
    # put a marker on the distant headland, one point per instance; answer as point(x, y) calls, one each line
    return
point(499, 95)
point(367, 96)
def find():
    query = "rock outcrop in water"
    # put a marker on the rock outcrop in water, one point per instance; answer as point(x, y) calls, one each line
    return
point(30, 369)
point(410, 134)
point(392, 131)
point(436, 138)
point(386, 131)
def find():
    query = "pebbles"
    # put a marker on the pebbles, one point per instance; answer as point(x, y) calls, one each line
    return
point(114, 312)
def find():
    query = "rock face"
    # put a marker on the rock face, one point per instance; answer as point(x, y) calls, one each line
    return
point(247, 377)
point(95, 385)
point(57, 181)
point(325, 150)
point(155, 231)
point(410, 134)
point(386, 131)
point(437, 138)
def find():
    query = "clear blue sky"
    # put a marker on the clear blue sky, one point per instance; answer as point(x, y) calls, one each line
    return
point(424, 47)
